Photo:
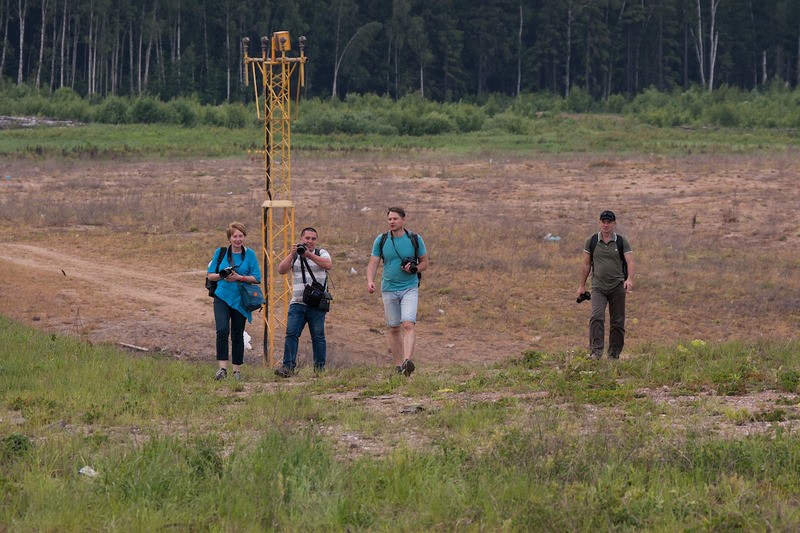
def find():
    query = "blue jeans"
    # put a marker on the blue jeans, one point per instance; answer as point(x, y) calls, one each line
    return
point(229, 321)
point(400, 306)
point(299, 316)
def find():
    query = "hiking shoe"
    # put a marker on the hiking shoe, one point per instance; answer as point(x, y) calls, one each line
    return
point(283, 372)
point(398, 369)
point(237, 375)
point(222, 373)
point(407, 367)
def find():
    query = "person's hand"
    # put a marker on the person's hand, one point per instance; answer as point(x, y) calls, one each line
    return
point(581, 290)
point(371, 287)
point(628, 285)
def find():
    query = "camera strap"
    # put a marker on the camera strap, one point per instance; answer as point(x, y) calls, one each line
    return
point(391, 235)
point(303, 266)
point(230, 258)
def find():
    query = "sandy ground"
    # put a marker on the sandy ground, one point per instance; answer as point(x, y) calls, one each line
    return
point(114, 296)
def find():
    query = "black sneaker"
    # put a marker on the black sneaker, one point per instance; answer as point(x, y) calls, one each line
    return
point(221, 374)
point(398, 369)
point(407, 367)
point(283, 372)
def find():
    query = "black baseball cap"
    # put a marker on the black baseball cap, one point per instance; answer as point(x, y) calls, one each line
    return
point(608, 215)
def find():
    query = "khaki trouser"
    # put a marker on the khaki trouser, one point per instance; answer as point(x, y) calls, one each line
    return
point(615, 300)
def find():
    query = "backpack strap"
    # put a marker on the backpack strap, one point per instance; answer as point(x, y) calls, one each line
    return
point(221, 254)
point(620, 249)
point(380, 246)
point(412, 237)
point(415, 241)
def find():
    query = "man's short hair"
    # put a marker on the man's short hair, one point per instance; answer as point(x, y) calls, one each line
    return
point(399, 210)
point(304, 230)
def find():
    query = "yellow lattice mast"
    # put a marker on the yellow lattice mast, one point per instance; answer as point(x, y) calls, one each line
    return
point(272, 74)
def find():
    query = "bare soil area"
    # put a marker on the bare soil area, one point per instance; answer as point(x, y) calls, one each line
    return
point(715, 238)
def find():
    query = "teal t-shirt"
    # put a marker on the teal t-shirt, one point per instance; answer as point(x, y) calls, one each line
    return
point(395, 249)
point(245, 264)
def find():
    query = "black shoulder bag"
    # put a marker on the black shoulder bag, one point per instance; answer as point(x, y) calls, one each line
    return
point(315, 294)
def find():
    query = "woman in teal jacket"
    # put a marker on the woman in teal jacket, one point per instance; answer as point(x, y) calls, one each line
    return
point(237, 265)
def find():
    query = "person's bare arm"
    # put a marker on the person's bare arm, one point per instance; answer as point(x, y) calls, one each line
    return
point(586, 267)
point(372, 269)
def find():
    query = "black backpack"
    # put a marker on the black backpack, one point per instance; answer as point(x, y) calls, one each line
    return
point(414, 241)
point(620, 246)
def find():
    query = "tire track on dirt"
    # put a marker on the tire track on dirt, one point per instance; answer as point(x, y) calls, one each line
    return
point(141, 283)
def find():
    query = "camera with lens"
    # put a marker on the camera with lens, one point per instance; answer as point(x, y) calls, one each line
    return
point(583, 297)
point(301, 249)
point(411, 261)
point(225, 272)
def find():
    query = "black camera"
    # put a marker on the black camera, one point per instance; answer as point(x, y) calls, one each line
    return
point(413, 262)
point(585, 296)
point(301, 249)
point(225, 272)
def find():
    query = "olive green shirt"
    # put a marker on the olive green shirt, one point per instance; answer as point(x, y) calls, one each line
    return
point(606, 263)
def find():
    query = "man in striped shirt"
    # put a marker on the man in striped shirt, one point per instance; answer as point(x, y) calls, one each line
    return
point(300, 314)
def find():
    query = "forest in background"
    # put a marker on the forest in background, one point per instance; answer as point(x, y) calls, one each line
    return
point(448, 50)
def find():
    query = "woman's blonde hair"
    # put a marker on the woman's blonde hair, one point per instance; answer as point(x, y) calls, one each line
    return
point(233, 226)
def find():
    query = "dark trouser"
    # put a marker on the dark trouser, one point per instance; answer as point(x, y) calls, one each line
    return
point(299, 316)
point(615, 300)
point(229, 321)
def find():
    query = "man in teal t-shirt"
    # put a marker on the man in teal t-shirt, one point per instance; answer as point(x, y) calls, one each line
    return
point(403, 262)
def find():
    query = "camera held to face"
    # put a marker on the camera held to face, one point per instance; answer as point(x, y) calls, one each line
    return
point(301, 249)
point(225, 272)
point(413, 262)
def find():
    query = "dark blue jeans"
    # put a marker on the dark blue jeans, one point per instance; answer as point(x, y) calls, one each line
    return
point(231, 322)
point(299, 316)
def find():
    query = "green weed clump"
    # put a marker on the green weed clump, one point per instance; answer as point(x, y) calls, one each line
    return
point(549, 441)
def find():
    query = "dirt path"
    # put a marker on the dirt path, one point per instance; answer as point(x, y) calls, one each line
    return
point(109, 301)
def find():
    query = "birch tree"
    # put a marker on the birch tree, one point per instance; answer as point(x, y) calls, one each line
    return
point(41, 45)
point(22, 10)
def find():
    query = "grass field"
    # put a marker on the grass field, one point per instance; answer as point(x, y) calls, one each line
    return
point(540, 441)
point(505, 427)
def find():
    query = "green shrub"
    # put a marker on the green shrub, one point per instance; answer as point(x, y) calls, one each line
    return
point(436, 123)
point(788, 380)
point(149, 110)
point(113, 110)
point(465, 117)
point(14, 445)
point(615, 103)
point(531, 105)
point(579, 100)
point(509, 122)
point(187, 111)
point(722, 114)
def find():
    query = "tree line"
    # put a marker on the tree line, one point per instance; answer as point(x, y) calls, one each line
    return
point(443, 50)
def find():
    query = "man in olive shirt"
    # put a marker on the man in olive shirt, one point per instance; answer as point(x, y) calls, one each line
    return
point(609, 285)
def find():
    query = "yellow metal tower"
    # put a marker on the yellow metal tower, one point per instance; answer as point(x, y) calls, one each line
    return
point(272, 74)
